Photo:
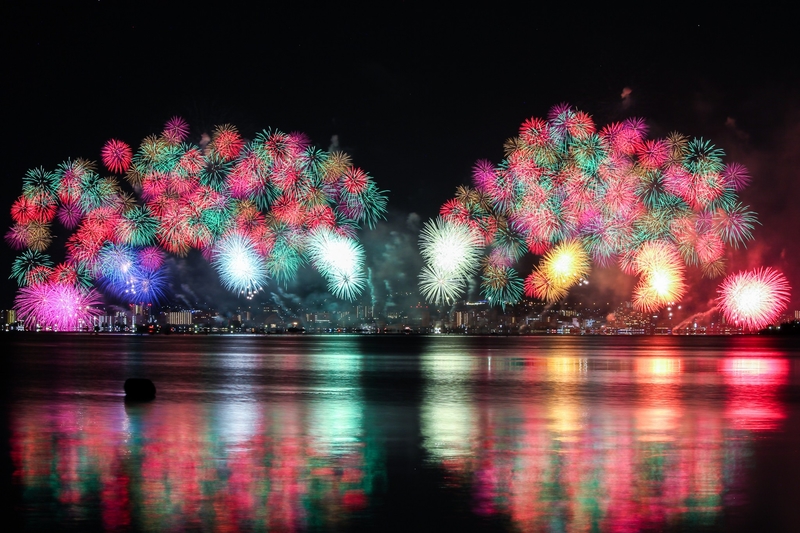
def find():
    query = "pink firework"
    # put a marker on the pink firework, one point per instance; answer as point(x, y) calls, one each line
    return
point(754, 298)
point(299, 142)
point(736, 176)
point(151, 258)
point(154, 184)
point(176, 130)
point(117, 156)
point(57, 306)
point(70, 214)
point(18, 236)
point(483, 175)
point(242, 184)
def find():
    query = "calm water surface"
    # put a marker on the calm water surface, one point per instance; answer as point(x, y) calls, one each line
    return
point(416, 433)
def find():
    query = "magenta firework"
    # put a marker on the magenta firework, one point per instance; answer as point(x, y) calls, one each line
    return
point(578, 195)
point(254, 208)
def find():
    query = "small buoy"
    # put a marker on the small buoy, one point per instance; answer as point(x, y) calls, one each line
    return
point(139, 389)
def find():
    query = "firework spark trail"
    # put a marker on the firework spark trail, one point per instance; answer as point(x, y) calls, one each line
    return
point(611, 194)
point(248, 206)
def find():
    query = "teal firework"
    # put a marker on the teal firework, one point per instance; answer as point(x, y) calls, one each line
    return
point(27, 262)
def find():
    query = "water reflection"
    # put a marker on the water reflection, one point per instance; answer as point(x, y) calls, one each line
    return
point(317, 434)
point(602, 444)
point(293, 463)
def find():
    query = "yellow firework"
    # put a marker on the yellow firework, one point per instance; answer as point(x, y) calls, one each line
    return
point(567, 263)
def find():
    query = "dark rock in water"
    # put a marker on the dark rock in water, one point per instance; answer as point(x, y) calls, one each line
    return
point(139, 389)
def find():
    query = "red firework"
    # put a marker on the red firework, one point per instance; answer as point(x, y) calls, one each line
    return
point(64, 273)
point(117, 156)
point(23, 210)
point(454, 211)
point(321, 216)
point(653, 153)
point(580, 125)
point(754, 298)
point(288, 210)
point(355, 180)
point(227, 142)
point(535, 132)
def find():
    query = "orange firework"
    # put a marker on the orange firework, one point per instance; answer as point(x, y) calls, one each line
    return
point(662, 274)
point(561, 268)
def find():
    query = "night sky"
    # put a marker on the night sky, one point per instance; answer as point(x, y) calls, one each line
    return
point(415, 94)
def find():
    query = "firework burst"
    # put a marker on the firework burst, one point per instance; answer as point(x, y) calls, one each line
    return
point(250, 208)
point(754, 298)
point(653, 205)
point(57, 306)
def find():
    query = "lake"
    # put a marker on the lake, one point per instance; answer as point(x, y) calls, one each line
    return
point(407, 433)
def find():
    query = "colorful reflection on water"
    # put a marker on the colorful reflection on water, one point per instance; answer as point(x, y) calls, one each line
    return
point(549, 436)
point(600, 443)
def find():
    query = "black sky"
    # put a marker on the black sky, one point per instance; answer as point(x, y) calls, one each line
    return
point(416, 94)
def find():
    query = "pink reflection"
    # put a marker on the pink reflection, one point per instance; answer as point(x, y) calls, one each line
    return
point(753, 383)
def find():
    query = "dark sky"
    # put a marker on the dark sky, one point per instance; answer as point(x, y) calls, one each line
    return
point(416, 94)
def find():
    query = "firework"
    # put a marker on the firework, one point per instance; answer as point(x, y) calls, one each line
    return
point(566, 264)
point(452, 248)
point(27, 262)
point(652, 205)
point(560, 268)
point(56, 306)
point(440, 287)
point(250, 207)
point(754, 298)
point(176, 130)
point(662, 280)
point(501, 285)
point(240, 267)
point(117, 156)
point(340, 260)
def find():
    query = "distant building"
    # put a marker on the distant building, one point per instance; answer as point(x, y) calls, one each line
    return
point(8, 316)
point(178, 318)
